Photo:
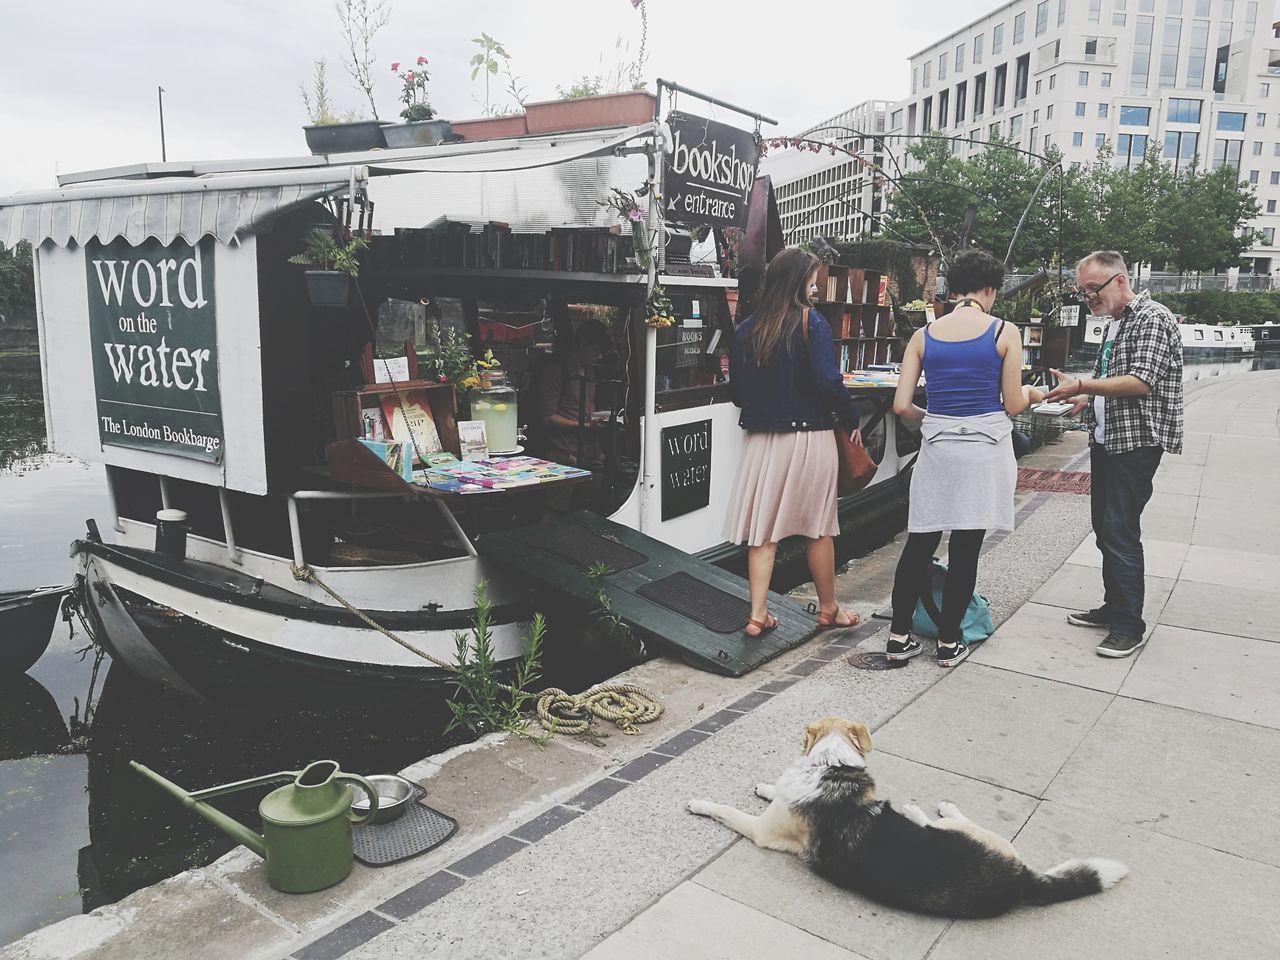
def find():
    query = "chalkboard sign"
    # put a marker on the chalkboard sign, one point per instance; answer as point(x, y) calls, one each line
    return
point(686, 468)
point(709, 172)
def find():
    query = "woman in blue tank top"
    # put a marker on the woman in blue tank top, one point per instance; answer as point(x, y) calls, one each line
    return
point(964, 478)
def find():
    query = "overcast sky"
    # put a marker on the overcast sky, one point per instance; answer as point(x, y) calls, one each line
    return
point(78, 78)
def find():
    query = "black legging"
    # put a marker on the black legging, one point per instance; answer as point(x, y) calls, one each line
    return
point(912, 579)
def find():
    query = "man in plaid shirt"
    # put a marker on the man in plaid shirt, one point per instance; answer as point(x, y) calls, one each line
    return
point(1133, 410)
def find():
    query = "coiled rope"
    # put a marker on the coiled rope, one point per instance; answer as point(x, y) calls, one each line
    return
point(622, 704)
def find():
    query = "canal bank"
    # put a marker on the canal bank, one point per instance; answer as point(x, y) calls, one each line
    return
point(509, 792)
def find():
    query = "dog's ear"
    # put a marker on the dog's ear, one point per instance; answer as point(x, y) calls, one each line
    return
point(861, 735)
point(810, 737)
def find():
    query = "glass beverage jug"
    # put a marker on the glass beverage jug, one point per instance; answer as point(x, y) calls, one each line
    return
point(494, 402)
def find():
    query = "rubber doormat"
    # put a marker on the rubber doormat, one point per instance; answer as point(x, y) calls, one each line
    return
point(702, 603)
point(1031, 480)
point(418, 830)
point(584, 548)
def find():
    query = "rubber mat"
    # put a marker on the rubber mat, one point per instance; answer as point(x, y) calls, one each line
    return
point(698, 600)
point(1053, 481)
point(584, 548)
point(417, 830)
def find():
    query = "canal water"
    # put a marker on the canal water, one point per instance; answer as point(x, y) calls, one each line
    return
point(77, 827)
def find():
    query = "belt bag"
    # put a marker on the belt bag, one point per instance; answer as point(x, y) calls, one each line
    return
point(966, 431)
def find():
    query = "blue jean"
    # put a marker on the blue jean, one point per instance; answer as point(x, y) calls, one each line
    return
point(1121, 487)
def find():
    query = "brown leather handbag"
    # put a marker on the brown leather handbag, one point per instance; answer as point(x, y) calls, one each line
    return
point(856, 466)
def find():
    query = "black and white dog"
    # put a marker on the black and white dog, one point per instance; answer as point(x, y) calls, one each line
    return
point(823, 809)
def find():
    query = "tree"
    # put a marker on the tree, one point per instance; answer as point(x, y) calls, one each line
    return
point(361, 20)
point(17, 282)
point(1205, 225)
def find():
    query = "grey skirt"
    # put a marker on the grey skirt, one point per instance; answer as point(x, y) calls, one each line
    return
point(965, 476)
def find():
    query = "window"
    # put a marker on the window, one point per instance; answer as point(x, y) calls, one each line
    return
point(961, 91)
point(915, 74)
point(1095, 11)
point(1131, 148)
point(1031, 144)
point(1103, 109)
point(1140, 66)
point(1259, 119)
point(997, 92)
point(1202, 8)
point(1169, 52)
point(1175, 6)
point(1015, 128)
point(1035, 116)
point(1046, 142)
point(928, 72)
point(895, 120)
point(1038, 88)
point(1198, 53)
point(1042, 16)
point(1106, 80)
point(977, 48)
point(1271, 206)
point(1275, 178)
point(959, 58)
point(1184, 111)
point(997, 37)
point(1062, 15)
point(1268, 236)
point(994, 131)
point(1091, 49)
point(1077, 139)
point(1257, 148)
point(1053, 79)
point(1253, 177)
point(1180, 147)
point(1022, 71)
point(1080, 108)
point(979, 95)
point(1227, 153)
point(1228, 9)
point(1230, 121)
point(1276, 150)
point(1048, 112)
point(943, 100)
point(926, 114)
point(1118, 17)
point(1250, 19)
point(1149, 6)
point(1019, 28)
point(1134, 116)
point(1083, 79)
point(942, 67)
point(1099, 140)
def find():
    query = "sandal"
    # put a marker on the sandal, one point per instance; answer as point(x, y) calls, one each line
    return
point(829, 621)
point(756, 628)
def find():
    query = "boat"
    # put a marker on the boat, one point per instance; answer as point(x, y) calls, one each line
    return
point(258, 544)
point(1266, 336)
point(26, 624)
point(1198, 339)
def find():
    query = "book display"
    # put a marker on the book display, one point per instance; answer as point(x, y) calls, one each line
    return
point(492, 245)
point(487, 476)
point(855, 304)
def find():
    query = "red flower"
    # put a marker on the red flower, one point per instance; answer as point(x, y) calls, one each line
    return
point(422, 61)
point(409, 76)
point(395, 65)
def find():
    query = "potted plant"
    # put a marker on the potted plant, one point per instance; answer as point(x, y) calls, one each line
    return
point(628, 209)
point(420, 127)
point(332, 130)
point(329, 285)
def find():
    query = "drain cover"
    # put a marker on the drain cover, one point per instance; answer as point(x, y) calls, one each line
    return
point(873, 660)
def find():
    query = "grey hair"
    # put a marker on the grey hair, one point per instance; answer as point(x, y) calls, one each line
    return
point(1107, 259)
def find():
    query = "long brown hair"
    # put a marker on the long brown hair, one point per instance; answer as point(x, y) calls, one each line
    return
point(784, 294)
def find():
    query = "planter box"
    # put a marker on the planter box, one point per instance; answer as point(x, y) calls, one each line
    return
point(344, 137)
point(590, 113)
point(492, 128)
point(328, 288)
point(423, 133)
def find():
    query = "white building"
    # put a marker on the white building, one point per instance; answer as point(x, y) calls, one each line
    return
point(1198, 77)
point(832, 195)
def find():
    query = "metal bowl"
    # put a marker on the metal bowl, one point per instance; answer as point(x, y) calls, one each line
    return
point(394, 793)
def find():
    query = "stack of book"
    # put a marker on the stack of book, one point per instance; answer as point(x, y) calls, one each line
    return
point(491, 245)
point(485, 476)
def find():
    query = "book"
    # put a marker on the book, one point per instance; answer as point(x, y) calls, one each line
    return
point(472, 440)
point(396, 454)
point(408, 417)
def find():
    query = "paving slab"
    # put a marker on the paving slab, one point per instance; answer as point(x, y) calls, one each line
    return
point(1236, 524)
point(995, 725)
point(1038, 641)
point(1169, 516)
point(1232, 677)
point(1222, 609)
point(1179, 773)
point(1181, 900)
point(1162, 558)
point(1078, 587)
point(1231, 568)
point(1175, 477)
point(694, 923)
point(783, 887)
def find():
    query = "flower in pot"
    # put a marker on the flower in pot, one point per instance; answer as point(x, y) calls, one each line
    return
point(628, 210)
point(420, 127)
point(329, 284)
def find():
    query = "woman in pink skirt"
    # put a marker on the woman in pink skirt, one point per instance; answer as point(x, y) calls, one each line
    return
point(791, 394)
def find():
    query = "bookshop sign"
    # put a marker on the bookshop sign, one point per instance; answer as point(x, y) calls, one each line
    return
point(708, 174)
point(686, 468)
point(153, 338)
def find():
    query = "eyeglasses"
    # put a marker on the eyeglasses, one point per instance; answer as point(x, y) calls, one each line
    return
point(1094, 294)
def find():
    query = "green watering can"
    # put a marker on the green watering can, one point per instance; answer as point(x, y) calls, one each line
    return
point(306, 824)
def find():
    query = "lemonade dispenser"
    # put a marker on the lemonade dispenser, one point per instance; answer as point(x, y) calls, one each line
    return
point(494, 402)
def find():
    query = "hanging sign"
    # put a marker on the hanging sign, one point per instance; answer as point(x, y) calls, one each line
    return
point(707, 176)
point(1069, 316)
point(153, 338)
point(686, 468)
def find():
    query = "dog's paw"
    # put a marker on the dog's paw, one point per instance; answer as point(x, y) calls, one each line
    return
point(765, 791)
point(701, 807)
point(915, 814)
point(950, 811)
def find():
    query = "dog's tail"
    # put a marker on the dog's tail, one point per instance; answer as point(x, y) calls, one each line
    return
point(1072, 879)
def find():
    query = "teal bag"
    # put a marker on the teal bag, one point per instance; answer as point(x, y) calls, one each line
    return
point(975, 626)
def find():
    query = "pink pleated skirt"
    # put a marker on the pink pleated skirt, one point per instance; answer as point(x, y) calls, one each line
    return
point(786, 486)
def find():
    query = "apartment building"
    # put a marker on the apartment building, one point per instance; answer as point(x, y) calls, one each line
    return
point(830, 195)
point(1199, 78)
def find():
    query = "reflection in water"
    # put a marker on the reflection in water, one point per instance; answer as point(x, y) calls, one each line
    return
point(21, 409)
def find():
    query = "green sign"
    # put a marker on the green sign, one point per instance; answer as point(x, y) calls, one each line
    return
point(155, 348)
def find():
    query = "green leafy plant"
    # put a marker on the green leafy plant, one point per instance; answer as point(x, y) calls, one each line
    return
point(413, 91)
point(484, 703)
point(913, 306)
point(320, 109)
point(325, 253)
point(603, 614)
point(488, 61)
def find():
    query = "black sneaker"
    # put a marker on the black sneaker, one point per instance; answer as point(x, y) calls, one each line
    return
point(1097, 617)
point(900, 651)
point(1118, 645)
point(950, 655)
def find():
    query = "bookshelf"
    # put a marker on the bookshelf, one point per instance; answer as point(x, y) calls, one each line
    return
point(849, 297)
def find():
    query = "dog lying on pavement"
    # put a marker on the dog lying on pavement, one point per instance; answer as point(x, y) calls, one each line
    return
point(823, 809)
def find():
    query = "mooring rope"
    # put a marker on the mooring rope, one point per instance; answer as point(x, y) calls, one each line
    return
point(622, 704)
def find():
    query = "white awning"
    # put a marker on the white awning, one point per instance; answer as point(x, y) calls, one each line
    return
point(220, 206)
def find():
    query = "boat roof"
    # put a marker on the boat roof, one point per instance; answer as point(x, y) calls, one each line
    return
point(225, 198)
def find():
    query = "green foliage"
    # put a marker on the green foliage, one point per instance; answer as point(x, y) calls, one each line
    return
point(488, 61)
point(584, 86)
point(613, 626)
point(325, 253)
point(484, 703)
point(17, 281)
point(889, 257)
point(320, 109)
point(1221, 306)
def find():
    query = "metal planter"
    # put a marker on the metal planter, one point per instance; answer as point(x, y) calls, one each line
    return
point(423, 133)
point(344, 137)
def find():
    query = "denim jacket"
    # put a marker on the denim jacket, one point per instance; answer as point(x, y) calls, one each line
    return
point(798, 389)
